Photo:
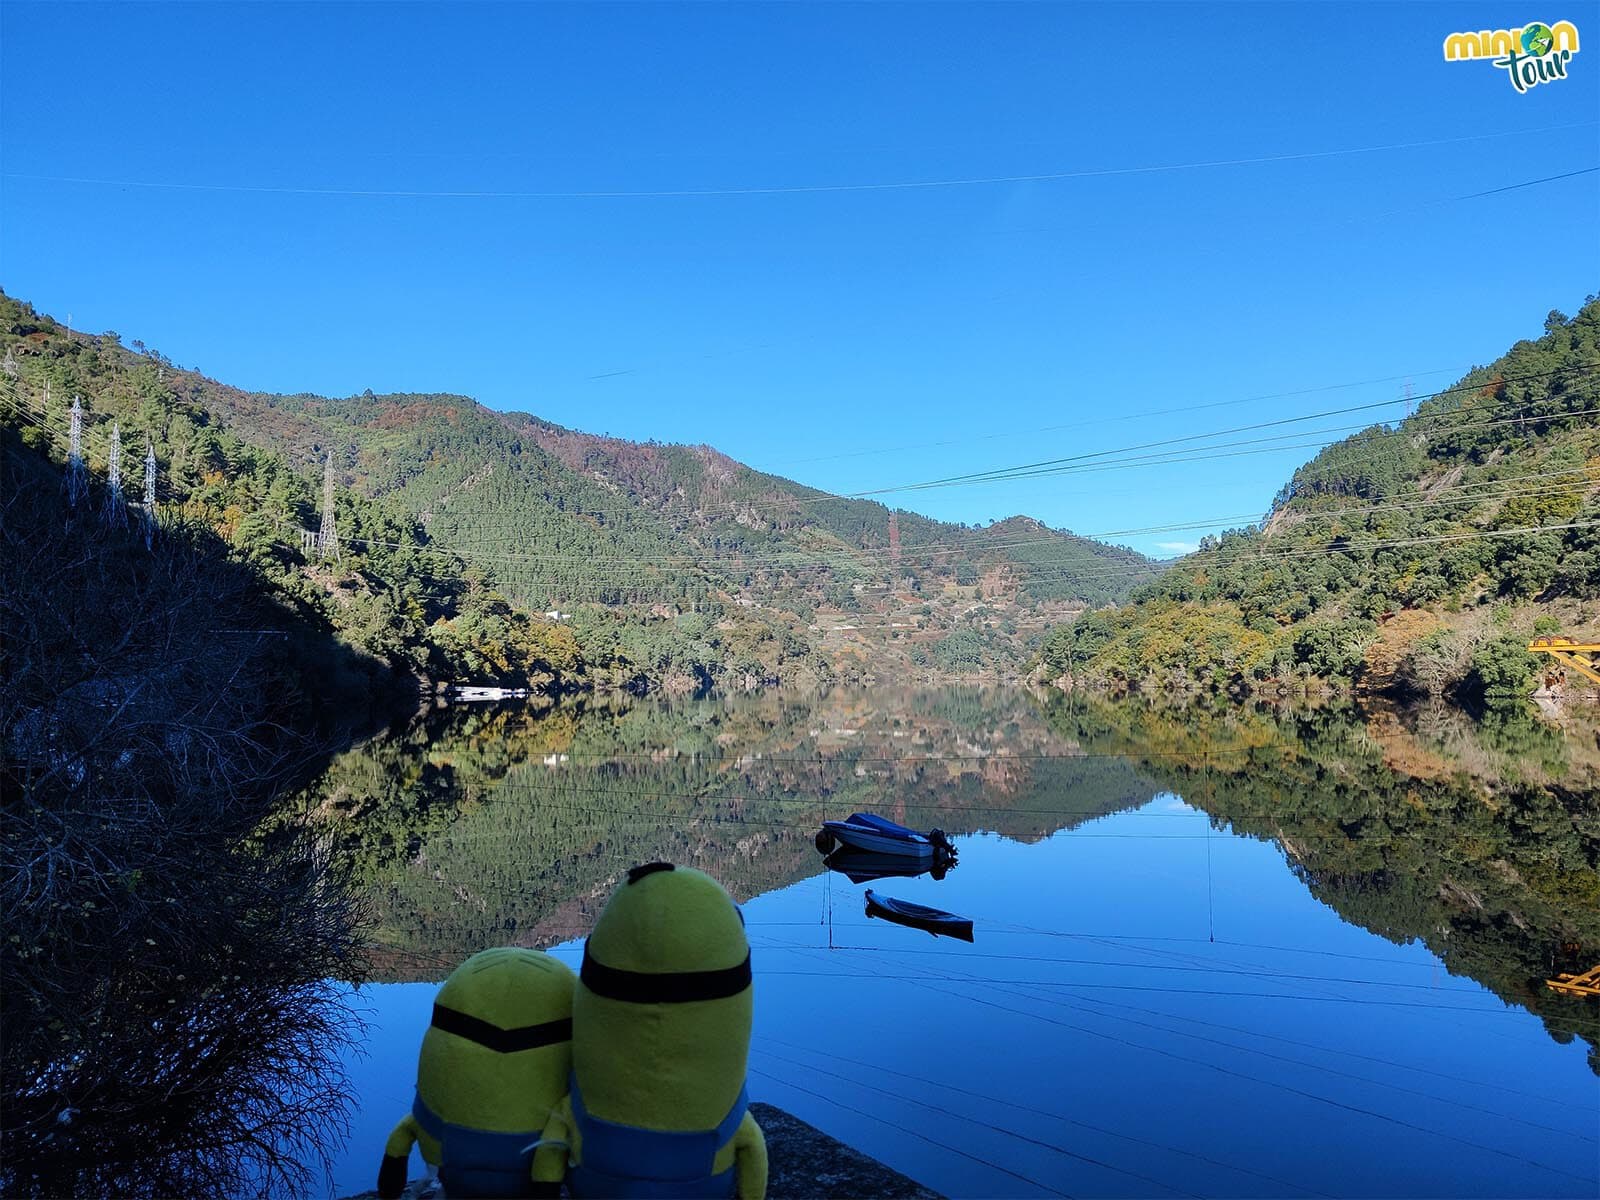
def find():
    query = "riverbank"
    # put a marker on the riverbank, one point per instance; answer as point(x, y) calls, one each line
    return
point(803, 1162)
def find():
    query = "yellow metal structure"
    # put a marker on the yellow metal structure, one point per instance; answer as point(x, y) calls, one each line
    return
point(1580, 656)
point(1586, 984)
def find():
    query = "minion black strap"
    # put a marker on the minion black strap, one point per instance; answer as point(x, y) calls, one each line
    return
point(505, 1041)
point(664, 987)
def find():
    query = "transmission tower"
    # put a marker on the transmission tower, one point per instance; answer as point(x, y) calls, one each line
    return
point(113, 508)
point(328, 535)
point(149, 516)
point(1411, 394)
point(894, 537)
point(77, 479)
point(10, 365)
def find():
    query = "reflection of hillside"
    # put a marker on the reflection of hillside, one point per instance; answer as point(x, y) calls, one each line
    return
point(503, 825)
point(1481, 841)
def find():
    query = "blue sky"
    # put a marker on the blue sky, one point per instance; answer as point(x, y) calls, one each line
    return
point(851, 337)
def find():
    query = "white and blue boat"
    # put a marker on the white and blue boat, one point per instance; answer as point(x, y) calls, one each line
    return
point(879, 835)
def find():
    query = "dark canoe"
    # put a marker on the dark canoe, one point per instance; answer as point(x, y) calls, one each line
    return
point(918, 916)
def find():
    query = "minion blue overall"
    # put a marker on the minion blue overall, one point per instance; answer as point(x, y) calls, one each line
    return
point(494, 1062)
point(660, 1041)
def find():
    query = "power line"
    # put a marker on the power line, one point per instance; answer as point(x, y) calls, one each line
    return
point(1051, 465)
point(1350, 548)
point(1394, 1087)
point(1511, 187)
point(942, 1145)
point(946, 1085)
point(1165, 457)
point(899, 185)
point(800, 560)
point(972, 1120)
point(1320, 1069)
point(1314, 1096)
point(1132, 416)
point(1059, 1002)
point(1170, 456)
point(1164, 967)
point(877, 555)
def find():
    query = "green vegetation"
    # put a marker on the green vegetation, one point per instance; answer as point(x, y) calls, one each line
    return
point(461, 528)
point(1480, 513)
point(169, 1024)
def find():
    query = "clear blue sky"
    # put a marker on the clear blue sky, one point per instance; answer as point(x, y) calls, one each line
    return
point(937, 328)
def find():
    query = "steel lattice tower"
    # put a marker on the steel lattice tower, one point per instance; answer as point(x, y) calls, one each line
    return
point(77, 481)
point(328, 535)
point(149, 493)
point(114, 476)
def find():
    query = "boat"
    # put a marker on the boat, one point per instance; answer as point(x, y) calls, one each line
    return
point(879, 835)
point(863, 866)
point(919, 916)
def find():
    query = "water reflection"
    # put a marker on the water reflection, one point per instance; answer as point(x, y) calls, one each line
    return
point(1480, 840)
point(861, 866)
point(1231, 951)
point(514, 823)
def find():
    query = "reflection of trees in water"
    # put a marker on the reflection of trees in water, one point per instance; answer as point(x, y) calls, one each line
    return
point(502, 824)
point(1481, 840)
point(166, 1024)
point(206, 1065)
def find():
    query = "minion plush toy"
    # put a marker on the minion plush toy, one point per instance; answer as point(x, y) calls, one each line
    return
point(495, 1061)
point(660, 1040)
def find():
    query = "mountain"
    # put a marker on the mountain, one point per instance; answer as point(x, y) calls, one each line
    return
point(463, 528)
point(1416, 557)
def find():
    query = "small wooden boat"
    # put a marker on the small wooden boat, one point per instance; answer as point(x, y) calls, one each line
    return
point(918, 916)
point(879, 835)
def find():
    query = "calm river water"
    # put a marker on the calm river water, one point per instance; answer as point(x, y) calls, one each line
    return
point(1218, 952)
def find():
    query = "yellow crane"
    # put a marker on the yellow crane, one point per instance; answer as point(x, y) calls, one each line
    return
point(1580, 656)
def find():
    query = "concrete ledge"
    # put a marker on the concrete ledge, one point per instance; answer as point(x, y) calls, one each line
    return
point(806, 1164)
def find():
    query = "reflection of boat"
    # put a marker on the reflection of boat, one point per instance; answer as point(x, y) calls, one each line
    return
point(918, 916)
point(463, 692)
point(862, 866)
point(879, 835)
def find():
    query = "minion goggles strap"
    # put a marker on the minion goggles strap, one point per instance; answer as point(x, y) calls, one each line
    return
point(504, 1041)
point(662, 987)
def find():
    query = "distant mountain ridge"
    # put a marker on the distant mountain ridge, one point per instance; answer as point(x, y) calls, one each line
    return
point(648, 507)
point(735, 567)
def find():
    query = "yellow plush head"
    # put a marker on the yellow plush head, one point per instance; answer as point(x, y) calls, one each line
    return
point(661, 1015)
point(498, 1051)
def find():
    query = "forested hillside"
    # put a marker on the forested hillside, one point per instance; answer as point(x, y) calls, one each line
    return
point(463, 529)
point(161, 950)
point(1417, 557)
